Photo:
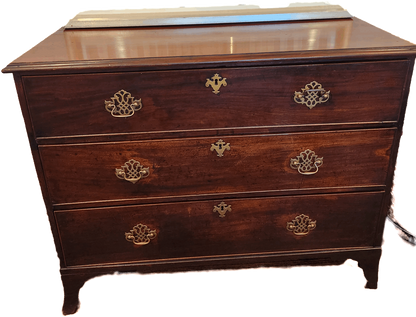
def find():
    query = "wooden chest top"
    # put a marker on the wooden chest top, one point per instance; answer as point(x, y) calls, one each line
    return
point(208, 46)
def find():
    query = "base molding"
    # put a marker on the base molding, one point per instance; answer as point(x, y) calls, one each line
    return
point(368, 260)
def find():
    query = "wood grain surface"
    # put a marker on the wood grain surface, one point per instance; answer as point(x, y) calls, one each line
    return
point(64, 80)
point(170, 47)
point(181, 167)
point(74, 105)
point(97, 236)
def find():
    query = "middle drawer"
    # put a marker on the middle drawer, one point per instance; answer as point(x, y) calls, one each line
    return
point(196, 166)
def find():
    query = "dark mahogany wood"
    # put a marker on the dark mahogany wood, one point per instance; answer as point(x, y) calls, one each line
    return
point(253, 226)
point(72, 283)
point(86, 172)
point(64, 81)
point(209, 46)
point(367, 258)
point(180, 101)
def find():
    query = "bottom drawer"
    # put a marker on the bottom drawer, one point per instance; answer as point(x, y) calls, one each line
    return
point(215, 228)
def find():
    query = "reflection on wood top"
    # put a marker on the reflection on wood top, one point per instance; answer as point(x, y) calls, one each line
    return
point(158, 46)
point(199, 16)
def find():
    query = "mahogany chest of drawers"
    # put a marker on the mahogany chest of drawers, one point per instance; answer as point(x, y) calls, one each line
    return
point(215, 147)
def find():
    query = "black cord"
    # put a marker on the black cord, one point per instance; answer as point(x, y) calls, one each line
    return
point(403, 233)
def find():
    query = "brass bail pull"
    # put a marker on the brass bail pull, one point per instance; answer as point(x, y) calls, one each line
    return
point(132, 171)
point(312, 94)
point(123, 105)
point(301, 225)
point(307, 162)
point(140, 234)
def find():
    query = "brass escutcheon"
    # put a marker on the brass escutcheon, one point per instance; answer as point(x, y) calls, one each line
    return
point(123, 105)
point(140, 234)
point(216, 82)
point(220, 146)
point(132, 171)
point(311, 95)
point(222, 208)
point(307, 162)
point(301, 225)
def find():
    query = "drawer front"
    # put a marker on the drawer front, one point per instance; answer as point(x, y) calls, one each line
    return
point(166, 168)
point(69, 105)
point(180, 230)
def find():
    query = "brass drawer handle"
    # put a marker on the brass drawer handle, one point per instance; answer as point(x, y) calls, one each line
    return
point(311, 95)
point(222, 208)
point(220, 146)
point(140, 234)
point(307, 162)
point(301, 225)
point(123, 105)
point(132, 171)
point(216, 82)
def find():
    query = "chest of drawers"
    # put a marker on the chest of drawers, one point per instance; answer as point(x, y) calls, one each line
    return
point(215, 147)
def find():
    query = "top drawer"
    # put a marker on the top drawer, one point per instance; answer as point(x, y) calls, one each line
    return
point(70, 105)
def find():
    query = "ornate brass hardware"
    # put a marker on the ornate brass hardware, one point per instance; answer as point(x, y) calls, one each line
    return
point(301, 225)
point(307, 162)
point(220, 146)
point(311, 95)
point(123, 105)
point(132, 171)
point(216, 82)
point(140, 234)
point(222, 208)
